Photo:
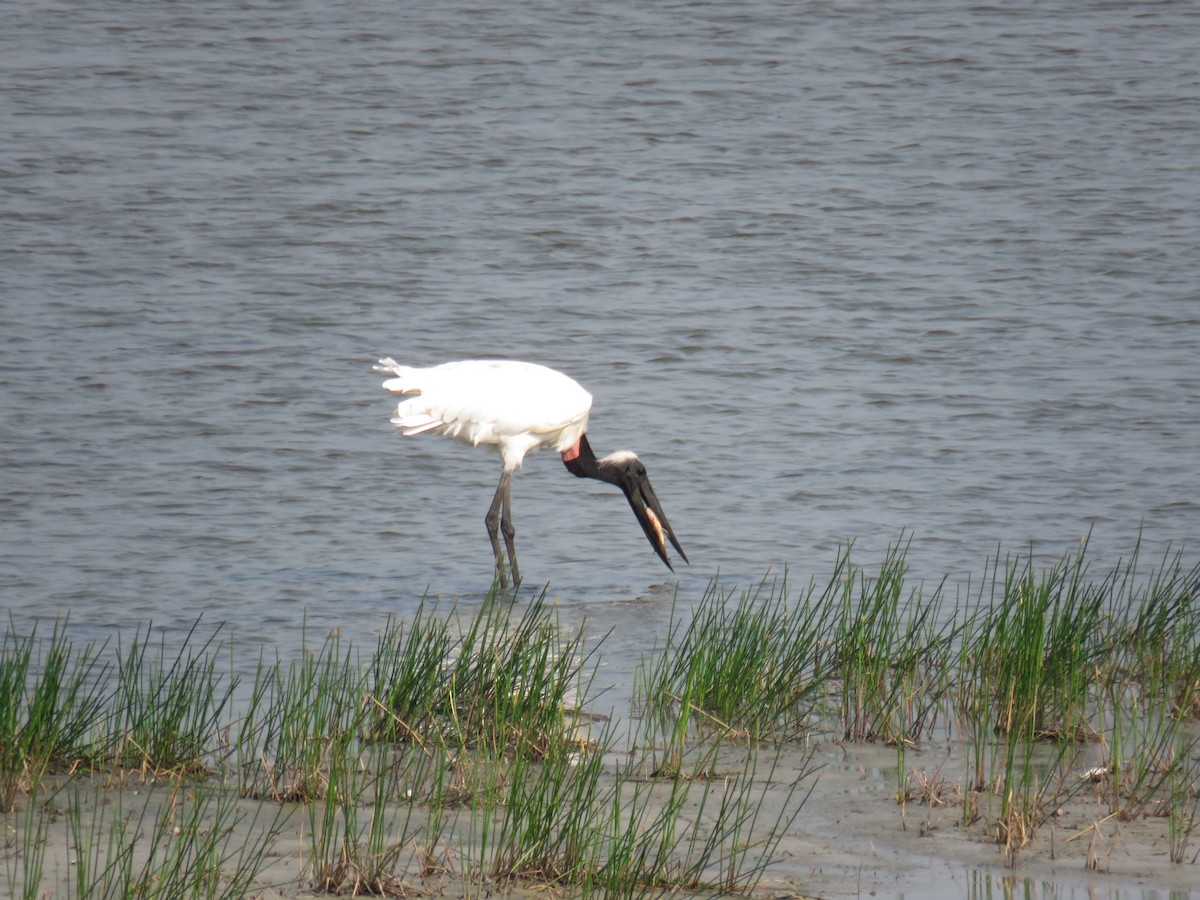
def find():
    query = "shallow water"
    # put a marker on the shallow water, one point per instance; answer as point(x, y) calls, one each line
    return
point(837, 272)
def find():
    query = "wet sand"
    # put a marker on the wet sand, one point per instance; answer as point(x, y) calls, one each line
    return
point(853, 839)
point(850, 839)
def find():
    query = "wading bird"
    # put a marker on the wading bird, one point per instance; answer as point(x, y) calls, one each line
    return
point(517, 407)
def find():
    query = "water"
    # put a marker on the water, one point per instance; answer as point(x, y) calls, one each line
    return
point(837, 271)
point(834, 271)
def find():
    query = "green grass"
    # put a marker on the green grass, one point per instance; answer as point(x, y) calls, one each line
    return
point(51, 695)
point(187, 843)
point(757, 666)
point(167, 712)
point(1053, 663)
point(867, 650)
point(297, 723)
point(892, 647)
point(461, 741)
point(357, 836)
point(504, 680)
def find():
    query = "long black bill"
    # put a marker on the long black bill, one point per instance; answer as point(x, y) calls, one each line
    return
point(650, 516)
point(627, 472)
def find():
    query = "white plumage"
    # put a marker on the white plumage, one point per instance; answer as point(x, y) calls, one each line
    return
point(517, 407)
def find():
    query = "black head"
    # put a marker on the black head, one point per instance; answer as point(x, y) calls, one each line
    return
point(629, 473)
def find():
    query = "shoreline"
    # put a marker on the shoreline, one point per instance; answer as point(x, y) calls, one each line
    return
point(1052, 737)
point(850, 839)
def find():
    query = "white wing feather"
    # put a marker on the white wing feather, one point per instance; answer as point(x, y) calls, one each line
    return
point(516, 406)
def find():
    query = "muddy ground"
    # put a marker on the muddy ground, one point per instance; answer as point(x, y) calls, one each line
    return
point(851, 839)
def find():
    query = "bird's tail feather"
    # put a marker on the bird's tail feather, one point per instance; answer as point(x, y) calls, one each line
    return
point(415, 423)
point(410, 417)
point(402, 383)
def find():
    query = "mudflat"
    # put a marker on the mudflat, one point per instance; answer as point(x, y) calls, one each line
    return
point(863, 829)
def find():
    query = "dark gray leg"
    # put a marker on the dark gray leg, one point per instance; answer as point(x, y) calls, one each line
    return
point(492, 521)
point(506, 526)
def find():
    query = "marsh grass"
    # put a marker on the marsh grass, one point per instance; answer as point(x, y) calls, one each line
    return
point(1149, 753)
point(461, 741)
point(183, 838)
point(168, 711)
point(1044, 664)
point(189, 839)
point(755, 667)
point(1183, 805)
point(23, 841)
point(1053, 662)
point(892, 647)
point(506, 680)
point(1031, 651)
point(571, 820)
point(51, 694)
point(694, 833)
point(299, 720)
point(870, 650)
point(547, 823)
point(1027, 663)
point(350, 855)
point(1154, 630)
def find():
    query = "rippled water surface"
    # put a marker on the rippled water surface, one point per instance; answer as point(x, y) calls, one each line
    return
point(862, 271)
point(836, 271)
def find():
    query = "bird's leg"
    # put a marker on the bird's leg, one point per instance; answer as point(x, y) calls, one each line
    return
point(492, 521)
point(506, 526)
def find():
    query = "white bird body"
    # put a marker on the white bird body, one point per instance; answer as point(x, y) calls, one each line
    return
point(515, 406)
point(518, 407)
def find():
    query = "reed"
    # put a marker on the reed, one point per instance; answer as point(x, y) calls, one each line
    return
point(1027, 660)
point(506, 680)
point(191, 840)
point(1036, 650)
point(1149, 750)
point(573, 821)
point(892, 650)
point(757, 666)
point(51, 694)
point(352, 856)
point(167, 711)
point(409, 676)
point(297, 719)
point(1183, 803)
point(458, 741)
point(547, 828)
point(1055, 658)
point(1154, 629)
point(1152, 695)
point(706, 828)
point(23, 845)
point(766, 667)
